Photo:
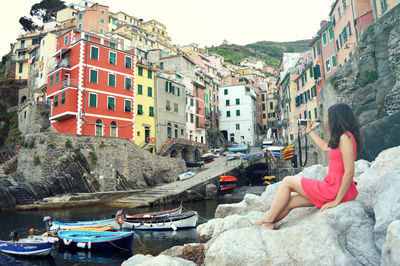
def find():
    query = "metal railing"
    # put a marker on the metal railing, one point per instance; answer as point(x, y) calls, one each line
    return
point(69, 83)
point(19, 58)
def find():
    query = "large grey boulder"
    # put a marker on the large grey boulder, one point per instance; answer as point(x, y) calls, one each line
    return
point(249, 203)
point(338, 236)
point(160, 260)
point(391, 249)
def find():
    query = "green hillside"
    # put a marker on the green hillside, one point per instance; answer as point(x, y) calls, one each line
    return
point(270, 52)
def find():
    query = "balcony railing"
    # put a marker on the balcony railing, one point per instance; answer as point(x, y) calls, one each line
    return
point(17, 58)
point(69, 83)
point(23, 48)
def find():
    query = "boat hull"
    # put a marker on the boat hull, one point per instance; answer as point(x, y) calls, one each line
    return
point(243, 148)
point(157, 213)
point(81, 224)
point(177, 222)
point(37, 246)
point(191, 164)
point(89, 240)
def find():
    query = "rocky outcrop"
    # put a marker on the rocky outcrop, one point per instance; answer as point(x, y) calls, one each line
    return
point(149, 260)
point(54, 164)
point(370, 84)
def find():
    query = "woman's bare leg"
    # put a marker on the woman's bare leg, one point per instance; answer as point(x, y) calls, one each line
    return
point(280, 206)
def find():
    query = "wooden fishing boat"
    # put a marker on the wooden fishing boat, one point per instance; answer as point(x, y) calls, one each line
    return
point(194, 164)
point(30, 246)
point(172, 222)
point(170, 212)
point(186, 175)
point(57, 225)
point(91, 240)
point(96, 229)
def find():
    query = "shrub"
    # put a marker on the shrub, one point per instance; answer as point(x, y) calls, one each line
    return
point(36, 160)
point(63, 159)
point(31, 144)
point(51, 146)
point(367, 77)
point(334, 82)
point(25, 145)
point(93, 157)
point(68, 144)
point(42, 141)
point(79, 155)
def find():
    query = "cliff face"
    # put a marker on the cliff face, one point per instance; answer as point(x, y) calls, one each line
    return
point(370, 84)
point(52, 164)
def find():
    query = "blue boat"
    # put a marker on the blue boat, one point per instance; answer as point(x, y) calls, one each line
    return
point(57, 225)
point(30, 246)
point(238, 148)
point(92, 240)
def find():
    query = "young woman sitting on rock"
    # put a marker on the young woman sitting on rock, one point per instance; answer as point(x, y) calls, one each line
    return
point(337, 186)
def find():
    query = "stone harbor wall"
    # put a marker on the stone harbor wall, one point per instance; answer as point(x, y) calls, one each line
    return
point(53, 164)
point(370, 84)
point(365, 231)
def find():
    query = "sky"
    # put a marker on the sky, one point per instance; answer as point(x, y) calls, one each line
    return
point(206, 22)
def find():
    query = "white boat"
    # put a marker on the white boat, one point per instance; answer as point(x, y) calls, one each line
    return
point(56, 225)
point(30, 246)
point(175, 222)
point(186, 175)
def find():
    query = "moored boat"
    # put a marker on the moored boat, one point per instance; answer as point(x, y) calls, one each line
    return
point(224, 187)
point(194, 164)
point(172, 222)
point(57, 225)
point(227, 178)
point(207, 157)
point(30, 246)
point(186, 175)
point(169, 212)
point(238, 148)
point(91, 240)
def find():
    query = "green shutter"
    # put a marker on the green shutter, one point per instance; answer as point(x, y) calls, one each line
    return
point(228, 113)
point(111, 80)
point(128, 83)
point(128, 106)
point(128, 62)
point(94, 53)
point(237, 112)
point(150, 91)
point(92, 100)
point(51, 79)
point(112, 58)
point(57, 77)
point(93, 76)
point(110, 103)
point(151, 111)
point(237, 101)
point(140, 109)
point(140, 89)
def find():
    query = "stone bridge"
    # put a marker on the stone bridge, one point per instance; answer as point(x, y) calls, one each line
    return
point(189, 150)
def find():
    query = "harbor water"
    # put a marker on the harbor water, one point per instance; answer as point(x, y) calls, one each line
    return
point(151, 242)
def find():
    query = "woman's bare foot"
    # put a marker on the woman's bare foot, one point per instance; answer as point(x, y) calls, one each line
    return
point(269, 225)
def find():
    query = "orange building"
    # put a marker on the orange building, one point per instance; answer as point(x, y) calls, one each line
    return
point(93, 19)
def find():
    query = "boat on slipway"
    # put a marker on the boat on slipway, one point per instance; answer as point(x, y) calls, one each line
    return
point(91, 240)
point(30, 246)
point(172, 222)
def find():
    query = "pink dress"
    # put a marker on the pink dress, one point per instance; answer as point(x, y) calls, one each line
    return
point(324, 191)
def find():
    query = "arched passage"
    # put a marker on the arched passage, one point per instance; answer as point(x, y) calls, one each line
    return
point(197, 155)
point(174, 154)
point(185, 154)
point(23, 99)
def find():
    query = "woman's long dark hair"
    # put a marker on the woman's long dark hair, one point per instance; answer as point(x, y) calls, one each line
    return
point(340, 119)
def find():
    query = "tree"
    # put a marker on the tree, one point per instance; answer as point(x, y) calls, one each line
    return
point(27, 24)
point(46, 10)
point(225, 42)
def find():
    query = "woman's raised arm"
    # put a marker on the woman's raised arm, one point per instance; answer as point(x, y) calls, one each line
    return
point(322, 144)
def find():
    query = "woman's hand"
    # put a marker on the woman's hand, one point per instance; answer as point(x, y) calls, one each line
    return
point(329, 205)
point(309, 126)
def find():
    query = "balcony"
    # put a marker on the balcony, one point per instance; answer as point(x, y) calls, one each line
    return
point(54, 66)
point(63, 116)
point(286, 99)
point(69, 83)
point(19, 58)
point(23, 48)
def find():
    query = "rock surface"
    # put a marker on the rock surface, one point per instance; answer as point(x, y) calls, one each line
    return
point(60, 163)
point(160, 260)
point(391, 249)
point(192, 252)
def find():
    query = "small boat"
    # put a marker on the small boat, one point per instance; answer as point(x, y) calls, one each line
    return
point(233, 156)
point(226, 178)
point(173, 222)
point(246, 156)
point(238, 148)
point(57, 225)
point(207, 157)
point(186, 175)
point(30, 246)
point(224, 187)
point(194, 164)
point(170, 212)
point(95, 240)
point(96, 229)
point(268, 180)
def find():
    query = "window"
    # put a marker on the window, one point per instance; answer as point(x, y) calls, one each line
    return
point(55, 101)
point(128, 83)
point(128, 62)
point(179, 91)
point(94, 53)
point(51, 79)
point(226, 102)
point(263, 106)
point(309, 114)
point(112, 45)
point(264, 116)
point(271, 105)
point(225, 91)
point(99, 128)
point(339, 13)
point(151, 111)
point(324, 39)
point(238, 101)
point(140, 109)
point(315, 112)
point(128, 106)
point(80, 16)
point(344, 5)
point(168, 105)
point(191, 102)
point(149, 74)
point(63, 98)
point(383, 6)
point(112, 58)
point(110, 103)
point(334, 21)
point(92, 100)
point(150, 91)
point(113, 129)
point(111, 80)
point(330, 33)
point(57, 77)
point(80, 26)
point(102, 11)
point(66, 37)
point(191, 118)
point(334, 61)
point(228, 113)
point(237, 126)
point(328, 65)
point(101, 30)
point(140, 71)
point(102, 20)
point(140, 89)
point(175, 107)
point(237, 112)
point(21, 67)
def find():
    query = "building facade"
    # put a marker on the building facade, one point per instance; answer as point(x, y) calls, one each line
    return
point(92, 87)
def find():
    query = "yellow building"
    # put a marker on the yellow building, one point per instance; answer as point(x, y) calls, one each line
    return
point(24, 50)
point(145, 105)
point(112, 21)
point(381, 7)
point(124, 18)
point(158, 29)
point(66, 14)
point(243, 71)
